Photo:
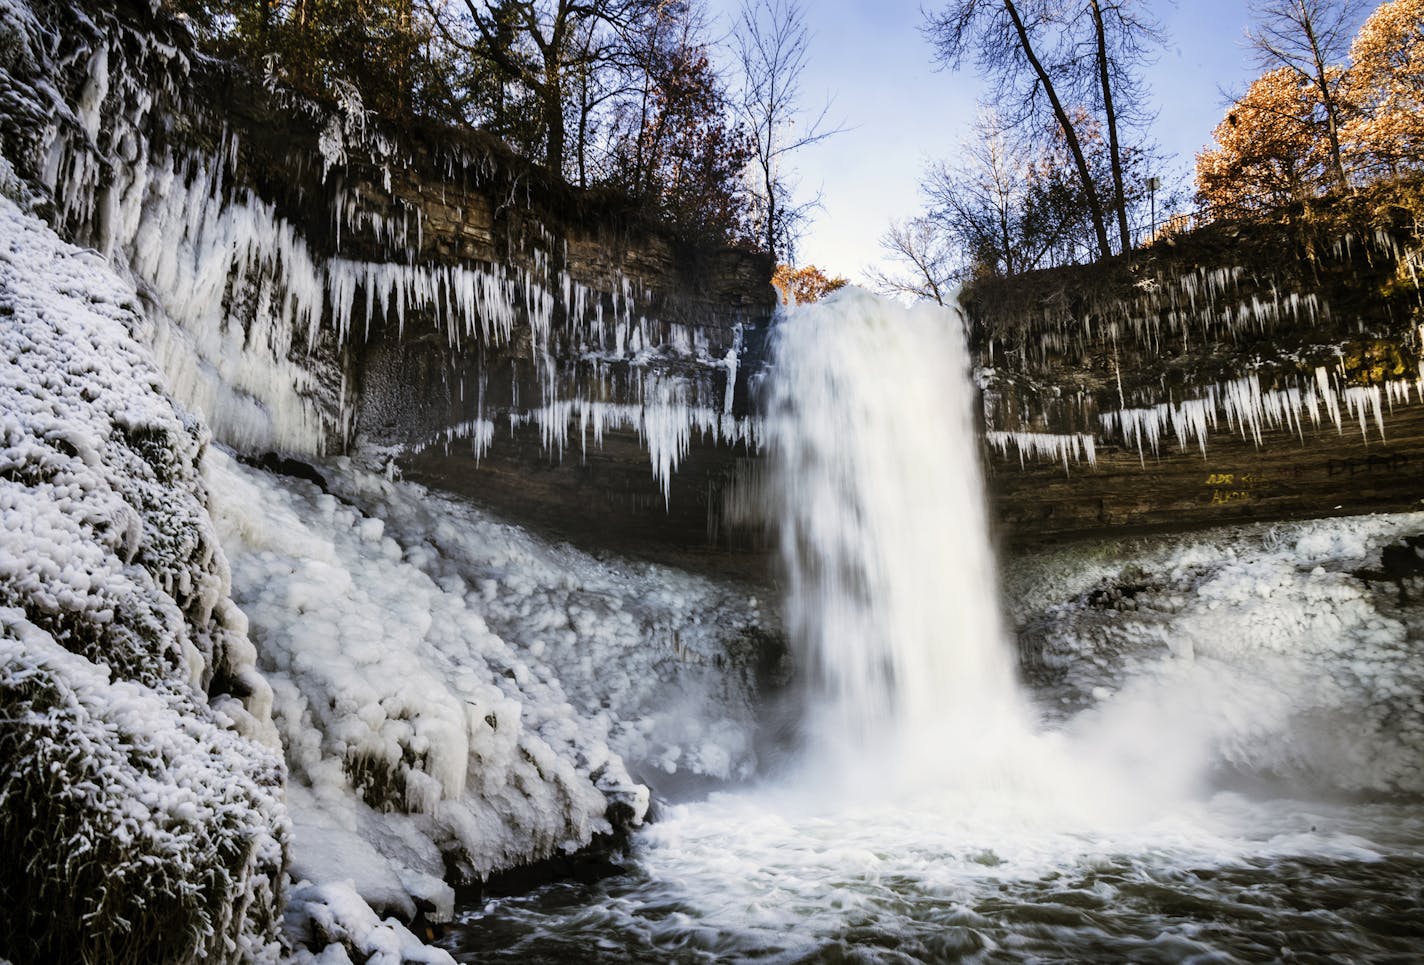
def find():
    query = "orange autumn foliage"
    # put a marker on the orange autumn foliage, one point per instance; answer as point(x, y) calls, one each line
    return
point(1269, 148)
point(1272, 146)
point(805, 284)
point(1386, 86)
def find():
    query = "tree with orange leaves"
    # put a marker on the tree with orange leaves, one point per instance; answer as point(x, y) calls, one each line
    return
point(1269, 148)
point(1387, 86)
point(797, 286)
point(1311, 38)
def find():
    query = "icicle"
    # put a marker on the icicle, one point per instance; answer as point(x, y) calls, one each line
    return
point(1045, 445)
point(1327, 395)
point(730, 361)
point(1363, 401)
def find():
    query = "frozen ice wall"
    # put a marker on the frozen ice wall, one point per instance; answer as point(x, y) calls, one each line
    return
point(260, 296)
point(456, 693)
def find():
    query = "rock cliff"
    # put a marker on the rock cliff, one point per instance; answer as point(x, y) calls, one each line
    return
point(322, 278)
point(1258, 370)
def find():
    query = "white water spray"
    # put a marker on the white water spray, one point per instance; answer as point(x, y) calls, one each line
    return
point(877, 492)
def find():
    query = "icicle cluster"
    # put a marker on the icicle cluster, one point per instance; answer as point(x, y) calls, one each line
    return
point(1045, 445)
point(666, 418)
point(1205, 307)
point(1248, 411)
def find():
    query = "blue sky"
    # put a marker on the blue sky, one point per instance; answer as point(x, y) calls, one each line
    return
point(900, 113)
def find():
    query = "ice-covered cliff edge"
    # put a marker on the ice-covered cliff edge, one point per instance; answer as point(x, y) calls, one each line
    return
point(322, 280)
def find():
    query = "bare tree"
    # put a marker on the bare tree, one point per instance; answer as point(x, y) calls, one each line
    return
point(659, 53)
point(982, 201)
point(771, 42)
point(928, 255)
point(1004, 37)
point(1004, 207)
point(1312, 38)
point(1124, 39)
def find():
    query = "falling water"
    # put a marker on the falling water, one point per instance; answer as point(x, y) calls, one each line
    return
point(876, 492)
point(1168, 789)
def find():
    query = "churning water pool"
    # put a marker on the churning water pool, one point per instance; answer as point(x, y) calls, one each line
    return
point(777, 876)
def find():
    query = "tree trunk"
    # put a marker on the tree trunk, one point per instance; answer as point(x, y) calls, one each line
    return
point(1327, 99)
point(772, 214)
point(1095, 206)
point(1119, 192)
point(553, 103)
point(582, 147)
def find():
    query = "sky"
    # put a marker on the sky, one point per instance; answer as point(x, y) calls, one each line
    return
point(900, 113)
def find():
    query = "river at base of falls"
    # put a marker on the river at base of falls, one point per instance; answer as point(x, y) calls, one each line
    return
point(787, 876)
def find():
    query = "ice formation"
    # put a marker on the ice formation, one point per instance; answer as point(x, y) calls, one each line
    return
point(445, 687)
point(1045, 445)
point(666, 417)
point(335, 918)
point(1207, 306)
point(1245, 337)
point(453, 691)
point(445, 697)
point(1286, 650)
point(253, 315)
point(140, 732)
point(141, 809)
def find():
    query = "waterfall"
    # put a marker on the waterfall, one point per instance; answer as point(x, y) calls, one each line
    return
point(878, 500)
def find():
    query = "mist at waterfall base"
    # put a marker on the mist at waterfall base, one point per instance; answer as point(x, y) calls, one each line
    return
point(1227, 771)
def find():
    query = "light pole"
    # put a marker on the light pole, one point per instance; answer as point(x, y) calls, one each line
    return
point(1153, 183)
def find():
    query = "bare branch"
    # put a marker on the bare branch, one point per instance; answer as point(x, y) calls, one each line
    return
point(772, 45)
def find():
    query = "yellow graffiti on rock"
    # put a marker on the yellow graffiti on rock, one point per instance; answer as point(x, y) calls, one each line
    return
point(1231, 487)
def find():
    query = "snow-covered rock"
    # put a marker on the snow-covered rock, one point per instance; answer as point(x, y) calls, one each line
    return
point(1287, 650)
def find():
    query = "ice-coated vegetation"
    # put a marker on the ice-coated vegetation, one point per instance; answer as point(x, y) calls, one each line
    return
point(141, 812)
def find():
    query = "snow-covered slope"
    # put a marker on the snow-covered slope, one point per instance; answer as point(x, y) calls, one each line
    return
point(141, 813)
